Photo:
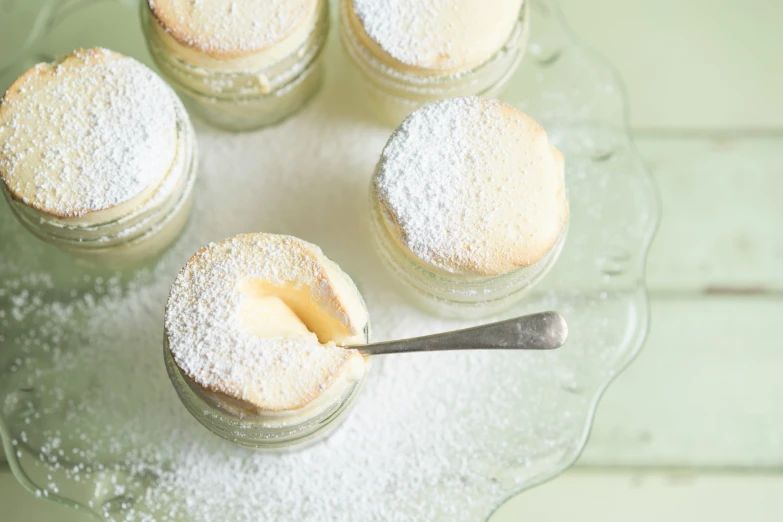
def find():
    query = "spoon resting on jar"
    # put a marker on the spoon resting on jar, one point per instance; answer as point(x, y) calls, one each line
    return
point(541, 331)
point(266, 339)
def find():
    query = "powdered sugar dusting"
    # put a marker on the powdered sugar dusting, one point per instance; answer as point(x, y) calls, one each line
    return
point(232, 26)
point(432, 437)
point(470, 185)
point(438, 34)
point(209, 343)
point(86, 133)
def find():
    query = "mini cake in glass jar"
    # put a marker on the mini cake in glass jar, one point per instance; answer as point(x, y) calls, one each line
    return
point(240, 65)
point(411, 52)
point(256, 335)
point(468, 204)
point(97, 157)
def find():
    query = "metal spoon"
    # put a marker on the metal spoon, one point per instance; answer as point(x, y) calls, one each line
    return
point(542, 331)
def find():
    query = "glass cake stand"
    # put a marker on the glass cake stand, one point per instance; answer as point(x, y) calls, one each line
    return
point(88, 417)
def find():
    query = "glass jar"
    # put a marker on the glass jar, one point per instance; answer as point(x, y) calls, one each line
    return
point(393, 94)
point(136, 236)
point(243, 99)
point(457, 295)
point(240, 424)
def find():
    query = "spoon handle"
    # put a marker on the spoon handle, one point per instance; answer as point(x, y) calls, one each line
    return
point(542, 331)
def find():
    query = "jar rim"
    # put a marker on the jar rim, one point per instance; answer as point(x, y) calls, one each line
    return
point(362, 56)
point(256, 433)
point(467, 292)
point(306, 56)
point(146, 218)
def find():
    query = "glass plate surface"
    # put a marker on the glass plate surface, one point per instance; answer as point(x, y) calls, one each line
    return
point(87, 414)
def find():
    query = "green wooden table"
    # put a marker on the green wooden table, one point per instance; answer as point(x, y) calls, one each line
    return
point(690, 431)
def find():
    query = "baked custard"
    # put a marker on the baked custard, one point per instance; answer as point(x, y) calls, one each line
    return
point(469, 205)
point(411, 52)
point(255, 329)
point(97, 156)
point(240, 65)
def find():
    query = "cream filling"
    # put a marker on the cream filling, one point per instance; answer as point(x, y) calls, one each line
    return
point(248, 61)
point(266, 306)
point(258, 324)
point(273, 311)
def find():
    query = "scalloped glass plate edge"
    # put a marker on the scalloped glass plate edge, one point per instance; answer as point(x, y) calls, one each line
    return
point(635, 345)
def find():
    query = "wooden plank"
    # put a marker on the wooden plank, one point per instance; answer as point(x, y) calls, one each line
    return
point(722, 213)
point(700, 63)
point(643, 496)
point(705, 392)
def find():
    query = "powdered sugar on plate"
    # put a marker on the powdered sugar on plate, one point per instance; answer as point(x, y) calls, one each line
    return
point(90, 414)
